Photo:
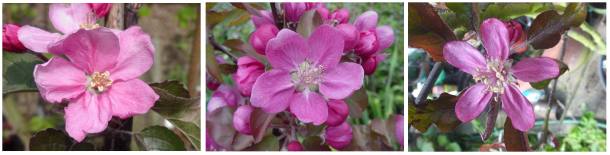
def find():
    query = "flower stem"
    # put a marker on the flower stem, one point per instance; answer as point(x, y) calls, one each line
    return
point(436, 70)
point(278, 21)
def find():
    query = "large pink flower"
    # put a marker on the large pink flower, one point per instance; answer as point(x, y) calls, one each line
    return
point(99, 78)
point(306, 73)
point(495, 77)
point(66, 18)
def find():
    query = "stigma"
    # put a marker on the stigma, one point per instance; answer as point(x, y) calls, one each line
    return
point(99, 82)
point(307, 76)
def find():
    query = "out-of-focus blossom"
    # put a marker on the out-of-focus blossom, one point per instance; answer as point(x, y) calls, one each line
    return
point(306, 72)
point(295, 146)
point(338, 136)
point(495, 76)
point(100, 9)
point(248, 70)
point(337, 112)
point(241, 119)
point(223, 96)
point(99, 78)
point(265, 18)
point(399, 129)
point(10, 41)
point(262, 35)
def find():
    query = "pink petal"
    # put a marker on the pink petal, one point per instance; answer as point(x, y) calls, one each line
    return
point(261, 36)
point(248, 70)
point(472, 102)
point(338, 136)
point(494, 36)
point(58, 79)
point(385, 36)
point(309, 107)
point(89, 113)
point(326, 44)
point(366, 21)
point(350, 35)
point(67, 18)
point(36, 39)
point(287, 50)
point(136, 54)
point(272, 91)
point(241, 119)
point(90, 50)
point(265, 18)
point(293, 11)
point(518, 108)
point(340, 81)
point(463, 56)
point(225, 95)
point(535, 69)
point(133, 97)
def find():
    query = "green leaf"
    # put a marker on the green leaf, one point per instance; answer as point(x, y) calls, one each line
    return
point(506, 11)
point(308, 22)
point(191, 130)
point(269, 143)
point(159, 138)
point(314, 143)
point(56, 140)
point(543, 84)
point(440, 111)
point(18, 70)
point(39, 123)
point(174, 101)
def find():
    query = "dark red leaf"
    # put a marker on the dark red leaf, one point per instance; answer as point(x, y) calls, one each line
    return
point(514, 139)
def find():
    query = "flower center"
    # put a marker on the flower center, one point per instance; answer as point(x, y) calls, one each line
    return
point(495, 75)
point(89, 26)
point(98, 82)
point(307, 76)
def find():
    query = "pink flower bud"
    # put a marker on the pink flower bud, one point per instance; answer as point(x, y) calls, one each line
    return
point(210, 82)
point(248, 70)
point(367, 44)
point(295, 146)
point(323, 13)
point(100, 9)
point(399, 132)
point(265, 18)
point(337, 112)
point(370, 64)
point(10, 41)
point(314, 5)
point(350, 35)
point(223, 96)
point(516, 36)
point(340, 16)
point(241, 119)
point(261, 36)
point(338, 136)
point(293, 11)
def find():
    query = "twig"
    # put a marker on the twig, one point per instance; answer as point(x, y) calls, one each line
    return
point(220, 47)
point(194, 64)
point(278, 21)
point(436, 70)
point(545, 131)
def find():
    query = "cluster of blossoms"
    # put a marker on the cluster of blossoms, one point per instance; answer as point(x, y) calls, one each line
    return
point(94, 69)
point(495, 74)
point(306, 76)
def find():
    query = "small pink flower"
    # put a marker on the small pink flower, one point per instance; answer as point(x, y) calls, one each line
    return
point(399, 129)
point(223, 96)
point(265, 18)
point(370, 64)
point(248, 70)
point(372, 39)
point(262, 35)
point(100, 9)
point(99, 78)
point(10, 42)
point(338, 136)
point(241, 119)
point(295, 146)
point(339, 16)
point(306, 72)
point(350, 35)
point(67, 18)
point(337, 112)
point(495, 77)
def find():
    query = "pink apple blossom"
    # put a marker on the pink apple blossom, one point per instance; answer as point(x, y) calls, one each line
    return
point(67, 18)
point(261, 36)
point(306, 72)
point(100, 9)
point(495, 76)
point(248, 70)
point(98, 77)
point(338, 136)
point(337, 112)
point(10, 42)
point(241, 119)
